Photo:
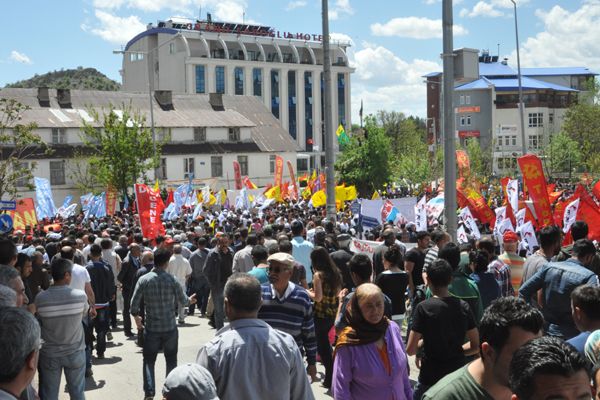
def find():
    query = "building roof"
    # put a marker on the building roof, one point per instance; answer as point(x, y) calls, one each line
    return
point(557, 71)
point(495, 69)
point(189, 110)
point(511, 84)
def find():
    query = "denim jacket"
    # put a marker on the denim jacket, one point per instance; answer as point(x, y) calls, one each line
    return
point(557, 281)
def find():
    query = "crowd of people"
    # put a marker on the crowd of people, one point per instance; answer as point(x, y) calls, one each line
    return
point(284, 291)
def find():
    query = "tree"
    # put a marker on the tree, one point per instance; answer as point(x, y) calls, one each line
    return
point(19, 144)
point(405, 133)
point(563, 155)
point(365, 162)
point(582, 124)
point(124, 147)
point(480, 161)
point(81, 172)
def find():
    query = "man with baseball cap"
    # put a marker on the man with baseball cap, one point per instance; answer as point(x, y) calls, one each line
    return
point(510, 257)
point(288, 307)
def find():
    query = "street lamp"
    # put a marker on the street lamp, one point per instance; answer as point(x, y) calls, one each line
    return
point(148, 54)
point(521, 104)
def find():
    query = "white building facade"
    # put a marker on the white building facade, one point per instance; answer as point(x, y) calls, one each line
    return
point(284, 70)
point(203, 136)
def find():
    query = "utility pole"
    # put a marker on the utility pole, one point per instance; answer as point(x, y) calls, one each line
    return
point(449, 144)
point(327, 120)
point(521, 103)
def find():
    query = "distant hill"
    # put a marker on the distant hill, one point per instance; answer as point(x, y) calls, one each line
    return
point(80, 78)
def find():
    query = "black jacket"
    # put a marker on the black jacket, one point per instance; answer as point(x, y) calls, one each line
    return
point(102, 281)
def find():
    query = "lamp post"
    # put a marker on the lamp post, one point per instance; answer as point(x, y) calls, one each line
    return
point(148, 54)
point(521, 104)
point(327, 120)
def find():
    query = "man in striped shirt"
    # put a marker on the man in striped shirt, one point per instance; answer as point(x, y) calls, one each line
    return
point(60, 310)
point(510, 257)
point(288, 308)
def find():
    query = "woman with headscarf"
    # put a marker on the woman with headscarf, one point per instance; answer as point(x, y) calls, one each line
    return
point(370, 361)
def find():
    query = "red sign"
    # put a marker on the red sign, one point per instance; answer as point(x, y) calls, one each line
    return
point(468, 134)
point(111, 201)
point(294, 183)
point(533, 176)
point(24, 215)
point(473, 109)
point(278, 170)
point(237, 172)
point(150, 206)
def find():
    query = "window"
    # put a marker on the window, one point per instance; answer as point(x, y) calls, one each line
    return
point(163, 134)
point(308, 110)
point(468, 120)
point(200, 134)
point(341, 93)
point(243, 161)
point(216, 166)
point(234, 134)
point(536, 120)
point(220, 79)
point(257, 81)
point(22, 181)
point(57, 172)
point(238, 73)
point(275, 93)
point(171, 48)
point(162, 169)
point(200, 79)
point(272, 164)
point(462, 100)
point(551, 118)
point(514, 140)
point(302, 165)
point(467, 99)
point(535, 142)
point(136, 56)
point(292, 119)
point(505, 163)
point(188, 168)
point(59, 135)
point(463, 120)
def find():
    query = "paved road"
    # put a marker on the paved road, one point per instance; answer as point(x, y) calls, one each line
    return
point(119, 375)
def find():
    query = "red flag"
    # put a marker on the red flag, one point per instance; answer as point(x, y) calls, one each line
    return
point(111, 200)
point(237, 173)
point(278, 170)
point(248, 183)
point(294, 195)
point(150, 207)
point(170, 197)
point(596, 190)
point(462, 159)
point(589, 212)
point(533, 176)
point(478, 206)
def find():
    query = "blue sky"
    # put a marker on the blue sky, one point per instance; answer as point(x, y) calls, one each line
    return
point(394, 42)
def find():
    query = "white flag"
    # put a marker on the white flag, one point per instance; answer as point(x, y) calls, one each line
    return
point(467, 218)
point(462, 235)
point(500, 217)
point(528, 236)
point(421, 215)
point(505, 226)
point(512, 193)
point(570, 215)
point(520, 217)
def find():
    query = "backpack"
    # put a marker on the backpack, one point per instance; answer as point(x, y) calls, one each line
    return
point(418, 296)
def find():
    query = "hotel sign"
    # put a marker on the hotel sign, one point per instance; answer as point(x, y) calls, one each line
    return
point(473, 109)
point(468, 134)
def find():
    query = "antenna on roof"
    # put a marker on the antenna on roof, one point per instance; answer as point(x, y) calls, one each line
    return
point(498, 50)
point(200, 13)
point(244, 17)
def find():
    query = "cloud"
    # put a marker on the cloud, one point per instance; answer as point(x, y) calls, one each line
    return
point(385, 81)
point(20, 57)
point(292, 5)
point(414, 28)
point(490, 8)
point(113, 29)
point(568, 39)
point(108, 4)
point(340, 8)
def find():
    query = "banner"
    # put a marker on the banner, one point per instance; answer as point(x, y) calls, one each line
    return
point(24, 215)
point(467, 218)
point(528, 236)
point(421, 215)
point(294, 195)
point(520, 217)
point(237, 173)
point(150, 206)
point(533, 176)
point(111, 201)
point(248, 183)
point(570, 215)
point(364, 246)
point(461, 235)
point(462, 159)
point(589, 212)
point(478, 206)
point(278, 170)
point(370, 210)
point(43, 195)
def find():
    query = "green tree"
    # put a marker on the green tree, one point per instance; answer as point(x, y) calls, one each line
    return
point(124, 147)
point(19, 144)
point(365, 161)
point(582, 123)
point(563, 155)
point(480, 161)
point(405, 133)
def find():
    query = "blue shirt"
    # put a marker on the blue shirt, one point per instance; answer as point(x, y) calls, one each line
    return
point(557, 280)
point(260, 274)
point(301, 252)
point(579, 341)
point(488, 287)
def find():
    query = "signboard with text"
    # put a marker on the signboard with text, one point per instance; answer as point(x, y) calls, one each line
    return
point(471, 109)
point(468, 134)
point(24, 214)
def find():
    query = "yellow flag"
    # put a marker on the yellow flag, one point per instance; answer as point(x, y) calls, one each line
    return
point(223, 196)
point(156, 186)
point(375, 195)
point(273, 193)
point(213, 200)
point(319, 198)
point(306, 193)
point(340, 193)
point(351, 193)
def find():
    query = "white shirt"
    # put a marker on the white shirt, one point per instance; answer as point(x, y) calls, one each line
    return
point(113, 260)
point(79, 277)
point(242, 260)
point(179, 267)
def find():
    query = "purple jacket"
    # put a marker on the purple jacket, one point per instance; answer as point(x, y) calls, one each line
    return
point(358, 371)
